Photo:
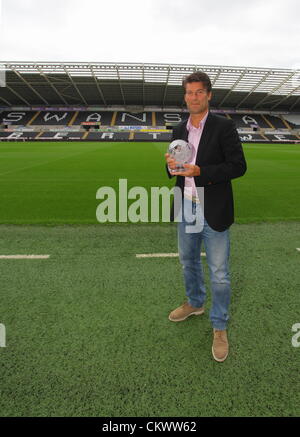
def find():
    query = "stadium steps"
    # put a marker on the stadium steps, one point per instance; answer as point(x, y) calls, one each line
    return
point(85, 135)
point(114, 117)
point(262, 135)
point(73, 118)
point(39, 134)
point(131, 135)
point(267, 121)
point(153, 119)
point(33, 118)
point(285, 122)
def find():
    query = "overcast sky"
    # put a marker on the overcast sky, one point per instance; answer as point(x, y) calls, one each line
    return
point(254, 33)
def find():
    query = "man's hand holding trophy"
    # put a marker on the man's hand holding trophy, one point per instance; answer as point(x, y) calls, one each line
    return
point(180, 154)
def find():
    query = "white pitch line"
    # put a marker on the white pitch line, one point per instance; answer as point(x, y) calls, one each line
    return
point(298, 248)
point(160, 255)
point(24, 256)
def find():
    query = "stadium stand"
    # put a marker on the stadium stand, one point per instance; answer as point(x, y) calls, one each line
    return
point(133, 136)
point(293, 120)
point(141, 102)
point(19, 118)
point(249, 138)
point(137, 119)
point(281, 138)
point(169, 117)
point(123, 118)
point(45, 118)
point(105, 118)
point(152, 136)
point(14, 136)
point(107, 136)
point(276, 122)
point(72, 136)
point(249, 121)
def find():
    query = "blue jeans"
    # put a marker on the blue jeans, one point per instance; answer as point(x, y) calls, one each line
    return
point(217, 247)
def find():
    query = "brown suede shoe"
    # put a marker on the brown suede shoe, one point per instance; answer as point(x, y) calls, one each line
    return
point(220, 345)
point(184, 311)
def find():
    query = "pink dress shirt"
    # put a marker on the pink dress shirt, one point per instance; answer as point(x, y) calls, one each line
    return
point(194, 137)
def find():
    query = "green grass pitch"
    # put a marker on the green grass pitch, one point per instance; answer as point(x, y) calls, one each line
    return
point(87, 330)
point(56, 183)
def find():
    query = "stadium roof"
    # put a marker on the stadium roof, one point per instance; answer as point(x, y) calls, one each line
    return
point(145, 85)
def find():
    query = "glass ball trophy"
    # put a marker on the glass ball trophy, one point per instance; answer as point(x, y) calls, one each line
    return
point(182, 152)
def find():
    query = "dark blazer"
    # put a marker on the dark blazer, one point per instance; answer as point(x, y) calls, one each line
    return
point(220, 158)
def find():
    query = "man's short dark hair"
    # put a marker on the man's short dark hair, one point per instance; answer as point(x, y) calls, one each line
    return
point(197, 76)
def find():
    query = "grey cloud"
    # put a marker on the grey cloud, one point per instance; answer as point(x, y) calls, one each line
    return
point(236, 32)
point(36, 13)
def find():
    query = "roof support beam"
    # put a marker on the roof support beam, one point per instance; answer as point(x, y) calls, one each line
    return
point(254, 88)
point(52, 85)
point(6, 101)
point(166, 87)
point(29, 86)
point(74, 85)
point(233, 86)
point(294, 104)
point(98, 86)
point(143, 75)
point(271, 93)
point(18, 95)
point(120, 85)
point(217, 77)
point(287, 96)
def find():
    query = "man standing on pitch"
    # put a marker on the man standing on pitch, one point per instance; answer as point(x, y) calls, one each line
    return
point(218, 158)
